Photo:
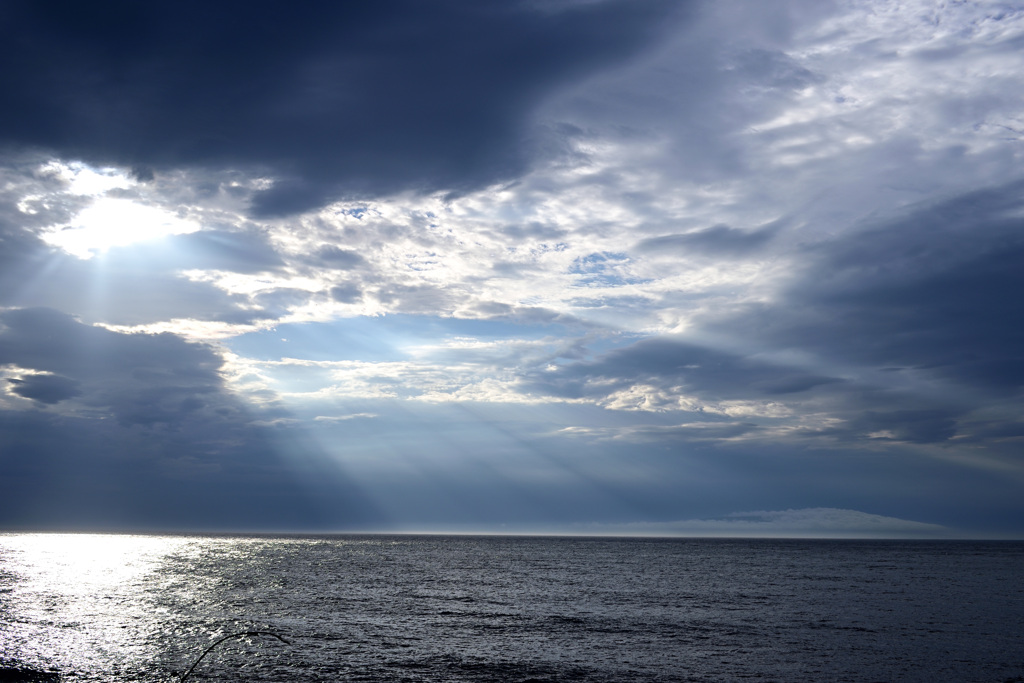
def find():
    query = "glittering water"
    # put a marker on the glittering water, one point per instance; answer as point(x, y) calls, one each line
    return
point(142, 608)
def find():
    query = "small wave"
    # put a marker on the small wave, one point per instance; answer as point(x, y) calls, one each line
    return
point(23, 674)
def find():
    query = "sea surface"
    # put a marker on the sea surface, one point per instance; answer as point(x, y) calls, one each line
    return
point(436, 608)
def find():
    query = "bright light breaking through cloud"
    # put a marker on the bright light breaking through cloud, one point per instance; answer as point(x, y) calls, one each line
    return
point(112, 222)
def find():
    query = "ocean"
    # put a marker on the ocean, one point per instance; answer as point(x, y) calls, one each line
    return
point(524, 609)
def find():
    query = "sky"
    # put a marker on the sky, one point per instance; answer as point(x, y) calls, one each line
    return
point(532, 266)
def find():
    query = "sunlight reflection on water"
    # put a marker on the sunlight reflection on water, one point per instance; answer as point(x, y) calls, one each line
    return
point(79, 599)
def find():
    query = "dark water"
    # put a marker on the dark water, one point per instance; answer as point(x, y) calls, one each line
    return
point(142, 608)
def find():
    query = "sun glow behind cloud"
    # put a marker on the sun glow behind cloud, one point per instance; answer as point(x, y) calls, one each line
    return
point(115, 215)
point(113, 222)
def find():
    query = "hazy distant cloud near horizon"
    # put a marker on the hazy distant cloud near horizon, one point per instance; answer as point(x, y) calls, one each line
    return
point(803, 523)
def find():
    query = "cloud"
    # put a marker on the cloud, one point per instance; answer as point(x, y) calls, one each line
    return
point(347, 293)
point(672, 364)
point(331, 101)
point(138, 379)
point(896, 332)
point(718, 240)
point(924, 295)
point(336, 257)
point(67, 472)
point(239, 251)
point(801, 523)
point(45, 388)
point(141, 431)
point(24, 212)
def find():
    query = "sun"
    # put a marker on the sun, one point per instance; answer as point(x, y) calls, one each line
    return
point(110, 219)
point(115, 222)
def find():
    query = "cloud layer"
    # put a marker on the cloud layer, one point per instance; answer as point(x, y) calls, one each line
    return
point(542, 265)
point(806, 523)
point(330, 102)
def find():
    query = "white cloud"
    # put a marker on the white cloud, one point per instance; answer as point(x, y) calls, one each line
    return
point(345, 418)
point(648, 398)
point(83, 179)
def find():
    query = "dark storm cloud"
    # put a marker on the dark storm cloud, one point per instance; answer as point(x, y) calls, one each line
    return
point(668, 364)
point(48, 389)
point(914, 426)
point(139, 378)
point(336, 99)
point(22, 256)
point(935, 291)
point(15, 244)
point(182, 451)
point(66, 472)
